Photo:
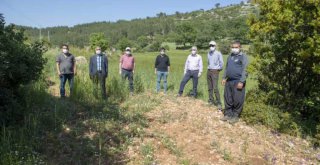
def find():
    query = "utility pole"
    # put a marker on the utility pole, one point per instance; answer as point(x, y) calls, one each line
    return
point(48, 36)
point(40, 36)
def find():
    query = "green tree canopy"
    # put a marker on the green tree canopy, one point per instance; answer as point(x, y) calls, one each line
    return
point(186, 33)
point(98, 39)
point(21, 62)
point(287, 49)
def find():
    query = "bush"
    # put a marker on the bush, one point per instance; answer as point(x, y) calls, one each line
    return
point(256, 111)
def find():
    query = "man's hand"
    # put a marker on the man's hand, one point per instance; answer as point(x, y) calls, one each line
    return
point(120, 72)
point(239, 85)
point(59, 74)
point(132, 71)
point(223, 82)
point(199, 74)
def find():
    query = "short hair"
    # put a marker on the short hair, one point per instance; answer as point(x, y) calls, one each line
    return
point(64, 45)
point(236, 43)
point(162, 48)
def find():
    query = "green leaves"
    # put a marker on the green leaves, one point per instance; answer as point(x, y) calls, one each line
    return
point(98, 39)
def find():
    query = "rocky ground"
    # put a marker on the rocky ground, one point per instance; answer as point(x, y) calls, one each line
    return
point(183, 130)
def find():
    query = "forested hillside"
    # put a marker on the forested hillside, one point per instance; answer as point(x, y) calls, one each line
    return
point(197, 27)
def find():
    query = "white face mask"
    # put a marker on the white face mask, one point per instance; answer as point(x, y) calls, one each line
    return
point(98, 51)
point(65, 51)
point(128, 52)
point(162, 53)
point(194, 52)
point(235, 50)
point(212, 48)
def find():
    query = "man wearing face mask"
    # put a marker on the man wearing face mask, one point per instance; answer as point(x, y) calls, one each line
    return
point(66, 68)
point(162, 68)
point(192, 69)
point(234, 79)
point(126, 67)
point(215, 65)
point(98, 70)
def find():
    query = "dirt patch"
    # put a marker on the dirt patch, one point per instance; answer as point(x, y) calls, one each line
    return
point(188, 131)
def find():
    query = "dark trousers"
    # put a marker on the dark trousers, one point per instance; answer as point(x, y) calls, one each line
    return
point(190, 74)
point(63, 80)
point(99, 80)
point(213, 80)
point(233, 99)
point(126, 74)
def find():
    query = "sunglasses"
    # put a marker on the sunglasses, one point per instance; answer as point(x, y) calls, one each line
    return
point(212, 45)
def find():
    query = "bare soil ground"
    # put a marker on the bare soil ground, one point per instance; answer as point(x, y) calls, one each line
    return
point(183, 130)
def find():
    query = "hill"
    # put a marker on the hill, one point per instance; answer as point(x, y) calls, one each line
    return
point(218, 23)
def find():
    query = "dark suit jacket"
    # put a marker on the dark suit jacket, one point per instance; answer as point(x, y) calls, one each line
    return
point(93, 65)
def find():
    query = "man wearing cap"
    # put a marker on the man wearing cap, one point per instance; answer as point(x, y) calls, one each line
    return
point(126, 67)
point(98, 70)
point(162, 68)
point(192, 69)
point(215, 65)
point(234, 79)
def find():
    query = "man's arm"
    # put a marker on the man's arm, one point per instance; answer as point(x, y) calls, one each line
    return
point(120, 65)
point(58, 65)
point(134, 66)
point(58, 68)
point(74, 66)
point(245, 63)
point(155, 65)
point(200, 65)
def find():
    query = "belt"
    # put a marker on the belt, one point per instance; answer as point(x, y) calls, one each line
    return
point(99, 71)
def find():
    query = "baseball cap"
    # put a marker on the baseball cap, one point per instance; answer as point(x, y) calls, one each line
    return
point(128, 48)
point(212, 43)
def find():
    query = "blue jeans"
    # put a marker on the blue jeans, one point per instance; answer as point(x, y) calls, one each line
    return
point(159, 77)
point(63, 80)
point(126, 74)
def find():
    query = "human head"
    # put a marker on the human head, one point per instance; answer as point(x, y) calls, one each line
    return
point(162, 51)
point(212, 45)
point(98, 50)
point(65, 48)
point(194, 50)
point(235, 47)
point(128, 50)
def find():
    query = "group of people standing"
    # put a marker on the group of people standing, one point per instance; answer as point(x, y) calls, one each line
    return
point(234, 77)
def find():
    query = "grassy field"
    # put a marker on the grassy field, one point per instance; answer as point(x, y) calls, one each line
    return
point(83, 128)
point(144, 73)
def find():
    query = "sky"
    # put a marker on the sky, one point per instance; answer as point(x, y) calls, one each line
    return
point(49, 13)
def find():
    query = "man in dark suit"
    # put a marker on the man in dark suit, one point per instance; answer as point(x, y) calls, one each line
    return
point(98, 70)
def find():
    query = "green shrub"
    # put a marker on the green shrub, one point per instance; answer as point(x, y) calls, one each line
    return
point(138, 84)
point(256, 111)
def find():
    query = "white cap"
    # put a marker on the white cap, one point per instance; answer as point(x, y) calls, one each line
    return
point(212, 43)
point(128, 48)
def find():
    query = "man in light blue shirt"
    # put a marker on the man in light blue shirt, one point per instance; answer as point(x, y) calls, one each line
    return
point(215, 65)
point(192, 69)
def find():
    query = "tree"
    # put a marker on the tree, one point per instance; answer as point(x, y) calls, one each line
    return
point(123, 43)
point(186, 34)
point(21, 62)
point(217, 5)
point(287, 49)
point(98, 39)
